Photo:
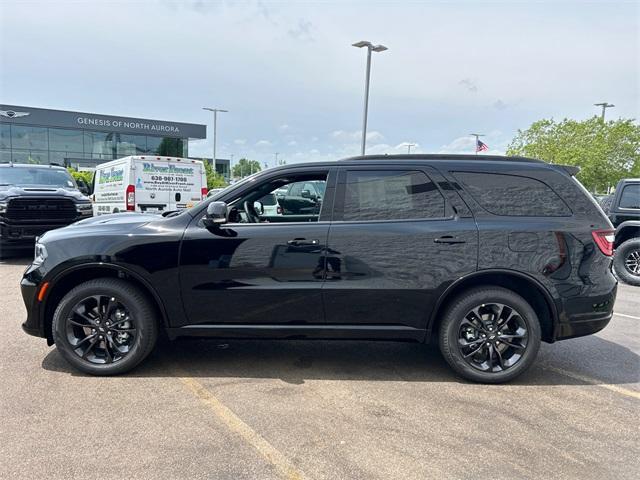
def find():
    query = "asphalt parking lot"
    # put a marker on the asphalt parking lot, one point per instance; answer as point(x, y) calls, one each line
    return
point(319, 410)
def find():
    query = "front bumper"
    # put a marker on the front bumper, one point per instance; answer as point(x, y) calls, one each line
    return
point(33, 324)
point(21, 233)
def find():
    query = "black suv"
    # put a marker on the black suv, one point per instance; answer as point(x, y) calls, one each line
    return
point(623, 209)
point(35, 199)
point(485, 255)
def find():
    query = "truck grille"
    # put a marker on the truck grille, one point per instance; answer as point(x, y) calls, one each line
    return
point(46, 209)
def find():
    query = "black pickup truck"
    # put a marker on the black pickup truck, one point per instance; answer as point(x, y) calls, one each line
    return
point(623, 209)
point(35, 199)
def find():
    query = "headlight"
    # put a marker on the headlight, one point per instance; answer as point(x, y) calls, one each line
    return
point(84, 208)
point(39, 254)
point(3, 207)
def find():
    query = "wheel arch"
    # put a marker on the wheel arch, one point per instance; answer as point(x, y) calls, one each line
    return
point(69, 278)
point(524, 285)
point(627, 230)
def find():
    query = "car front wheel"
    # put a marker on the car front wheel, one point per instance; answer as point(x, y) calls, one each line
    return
point(104, 326)
point(490, 335)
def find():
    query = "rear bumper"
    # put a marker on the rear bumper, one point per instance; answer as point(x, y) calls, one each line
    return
point(588, 314)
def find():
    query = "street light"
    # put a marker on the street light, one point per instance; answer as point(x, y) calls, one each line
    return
point(370, 48)
point(215, 128)
point(604, 106)
point(409, 145)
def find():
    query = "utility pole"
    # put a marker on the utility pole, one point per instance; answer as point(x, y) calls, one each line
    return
point(215, 128)
point(370, 48)
point(477, 135)
point(604, 106)
point(231, 166)
point(276, 154)
point(409, 145)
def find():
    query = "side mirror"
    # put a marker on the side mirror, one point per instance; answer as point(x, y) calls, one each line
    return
point(305, 194)
point(216, 214)
point(258, 205)
point(83, 187)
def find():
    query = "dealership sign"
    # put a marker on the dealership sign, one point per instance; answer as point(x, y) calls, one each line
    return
point(43, 117)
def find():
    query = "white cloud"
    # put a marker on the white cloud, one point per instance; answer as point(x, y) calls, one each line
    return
point(284, 127)
point(264, 144)
point(346, 136)
point(240, 141)
point(292, 143)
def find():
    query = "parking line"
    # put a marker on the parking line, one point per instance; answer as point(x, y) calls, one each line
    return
point(626, 316)
point(284, 467)
point(596, 382)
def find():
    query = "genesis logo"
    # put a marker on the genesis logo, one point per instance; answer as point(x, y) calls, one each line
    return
point(12, 114)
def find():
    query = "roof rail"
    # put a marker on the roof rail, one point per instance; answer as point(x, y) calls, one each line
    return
point(446, 156)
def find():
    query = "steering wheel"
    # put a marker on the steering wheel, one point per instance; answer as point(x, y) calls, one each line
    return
point(250, 210)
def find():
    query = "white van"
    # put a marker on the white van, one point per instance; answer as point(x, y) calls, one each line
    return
point(148, 184)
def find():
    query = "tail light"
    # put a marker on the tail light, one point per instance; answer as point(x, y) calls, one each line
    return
point(604, 239)
point(204, 192)
point(131, 198)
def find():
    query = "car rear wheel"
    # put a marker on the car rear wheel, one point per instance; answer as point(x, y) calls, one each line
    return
point(626, 261)
point(490, 335)
point(104, 326)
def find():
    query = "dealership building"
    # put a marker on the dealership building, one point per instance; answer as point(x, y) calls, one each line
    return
point(84, 140)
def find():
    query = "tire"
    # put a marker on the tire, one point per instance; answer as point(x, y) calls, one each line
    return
point(624, 260)
point(133, 326)
point(487, 300)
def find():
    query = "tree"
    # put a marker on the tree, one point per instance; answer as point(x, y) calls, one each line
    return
point(86, 176)
point(604, 151)
point(246, 167)
point(214, 179)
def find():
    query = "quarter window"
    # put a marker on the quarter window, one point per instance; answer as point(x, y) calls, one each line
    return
point(391, 195)
point(513, 195)
point(630, 197)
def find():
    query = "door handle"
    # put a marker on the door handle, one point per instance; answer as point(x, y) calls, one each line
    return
point(298, 242)
point(449, 239)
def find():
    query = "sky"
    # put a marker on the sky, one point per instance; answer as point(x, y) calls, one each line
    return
point(293, 84)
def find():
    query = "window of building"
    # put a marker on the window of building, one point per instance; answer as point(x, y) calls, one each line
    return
point(5, 136)
point(25, 137)
point(391, 195)
point(131, 145)
point(99, 145)
point(513, 195)
point(63, 140)
point(630, 197)
point(30, 156)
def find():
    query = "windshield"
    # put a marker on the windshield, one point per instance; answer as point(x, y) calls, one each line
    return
point(36, 177)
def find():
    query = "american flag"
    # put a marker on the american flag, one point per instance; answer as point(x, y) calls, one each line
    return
point(481, 146)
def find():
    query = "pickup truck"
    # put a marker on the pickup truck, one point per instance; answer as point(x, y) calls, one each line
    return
point(35, 199)
point(623, 209)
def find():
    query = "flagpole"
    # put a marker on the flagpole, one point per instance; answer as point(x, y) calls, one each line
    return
point(477, 135)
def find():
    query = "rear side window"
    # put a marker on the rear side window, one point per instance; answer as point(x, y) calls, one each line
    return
point(391, 195)
point(513, 195)
point(630, 197)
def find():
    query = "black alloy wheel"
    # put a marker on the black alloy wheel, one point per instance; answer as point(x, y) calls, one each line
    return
point(100, 329)
point(626, 261)
point(489, 334)
point(492, 337)
point(105, 326)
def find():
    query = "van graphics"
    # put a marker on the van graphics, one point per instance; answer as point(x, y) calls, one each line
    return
point(171, 168)
point(111, 176)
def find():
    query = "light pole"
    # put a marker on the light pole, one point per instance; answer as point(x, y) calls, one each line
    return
point(276, 154)
point(477, 135)
point(604, 106)
point(215, 128)
point(370, 48)
point(409, 145)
